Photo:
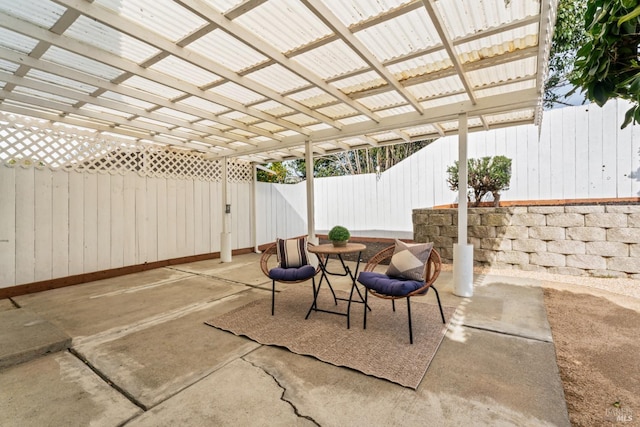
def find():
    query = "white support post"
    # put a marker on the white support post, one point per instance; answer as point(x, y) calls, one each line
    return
point(225, 236)
point(462, 251)
point(311, 224)
point(254, 214)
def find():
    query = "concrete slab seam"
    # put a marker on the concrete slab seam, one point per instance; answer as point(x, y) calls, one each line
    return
point(223, 279)
point(108, 381)
point(122, 331)
point(284, 390)
point(480, 328)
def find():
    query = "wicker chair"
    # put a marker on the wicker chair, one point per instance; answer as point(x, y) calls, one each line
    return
point(269, 267)
point(431, 273)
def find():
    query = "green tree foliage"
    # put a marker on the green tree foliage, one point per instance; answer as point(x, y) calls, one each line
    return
point(486, 175)
point(279, 176)
point(569, 34)
point(366, 160)
point(607, 66)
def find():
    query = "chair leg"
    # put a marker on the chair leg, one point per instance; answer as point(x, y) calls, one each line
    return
point(393, 304)
point(366, 298)
point(410, 326)
point(314, 305)
point(439, 305)
point(273, 296)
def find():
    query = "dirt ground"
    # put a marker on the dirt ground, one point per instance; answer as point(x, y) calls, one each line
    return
point(598, 350)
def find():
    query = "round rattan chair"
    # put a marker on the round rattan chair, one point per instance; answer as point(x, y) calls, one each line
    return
point(269, 266)
point(395, 287)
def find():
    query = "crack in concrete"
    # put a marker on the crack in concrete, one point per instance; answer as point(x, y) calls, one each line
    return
point(284, 390)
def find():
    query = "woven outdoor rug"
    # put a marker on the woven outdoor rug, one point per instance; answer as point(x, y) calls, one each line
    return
point(382, 350)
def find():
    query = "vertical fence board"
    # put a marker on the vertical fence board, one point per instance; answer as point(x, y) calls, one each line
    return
point(8, 202)
point(610, 128)
point(76, 223)
point(596, 164)
point(131, 219)
point(581, 137)
point(179, 201)
point(635, 165)
point(25, 225)
point(60, 220)
point(568, 153)
point(151, 218)
point(104, 222)
point(163, 220)
point(118, 221)
point(90, 199)
point(43, 233)
point(624, 156)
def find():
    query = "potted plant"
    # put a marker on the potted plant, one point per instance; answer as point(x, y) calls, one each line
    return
point(487, 175)
point(339, 235)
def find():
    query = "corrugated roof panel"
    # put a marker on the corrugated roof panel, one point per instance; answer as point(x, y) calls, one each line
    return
point(203, 104)
point(44, 95)
point(105, 110)
point(360, 82)
point(396, 111)
point(240, 117)
point(237, 93)
point(428, 89)
point(506, 88)
point(464, 18)
point(318, 127)
point(286, 24)
point(355, 119)
point(153, 122)
point(400, 35)
point(226, 50)
point(359, 10)
point(475, 52)
point(243, 133)
point(127, 100)
point(421, 130)
point(300, 119)
point(273, 108)
point(522, 115)
point(269, 127)
point(43, 13)
point(278, 78)
point(421, 65)
point(331, 60)
point(385, 136)
point(178, 68)
point(164, 17)
point(383, 100)
point(106, 38)
point(60, 81)
point(313, 98)
point(151, 87)
point(337, 111)
point(8, 66)
point(503, 72)
point(177, 114)
point(80, 63)
point(445, 100)
point(215, 125)
point(16, 42)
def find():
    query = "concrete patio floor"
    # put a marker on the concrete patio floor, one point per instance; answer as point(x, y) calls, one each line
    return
point(141, 355)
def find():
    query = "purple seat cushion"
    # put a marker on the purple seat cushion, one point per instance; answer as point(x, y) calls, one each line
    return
point(383, 284)
point(292, 274)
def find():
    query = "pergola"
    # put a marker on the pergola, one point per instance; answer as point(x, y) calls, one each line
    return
point(271, 80)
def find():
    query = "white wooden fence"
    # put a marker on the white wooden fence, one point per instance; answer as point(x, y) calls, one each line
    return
point(578, 152)
point(57, 223)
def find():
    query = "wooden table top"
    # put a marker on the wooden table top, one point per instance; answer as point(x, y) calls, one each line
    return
point(329, 249)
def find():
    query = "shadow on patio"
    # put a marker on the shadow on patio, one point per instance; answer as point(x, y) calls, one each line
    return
point(142, 355)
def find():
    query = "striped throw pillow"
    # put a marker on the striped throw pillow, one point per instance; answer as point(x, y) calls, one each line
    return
point(292, 253)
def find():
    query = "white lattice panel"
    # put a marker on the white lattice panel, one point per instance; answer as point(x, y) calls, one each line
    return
point(27, 143)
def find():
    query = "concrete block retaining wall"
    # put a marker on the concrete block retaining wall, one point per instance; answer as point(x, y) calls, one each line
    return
point(601, 241)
